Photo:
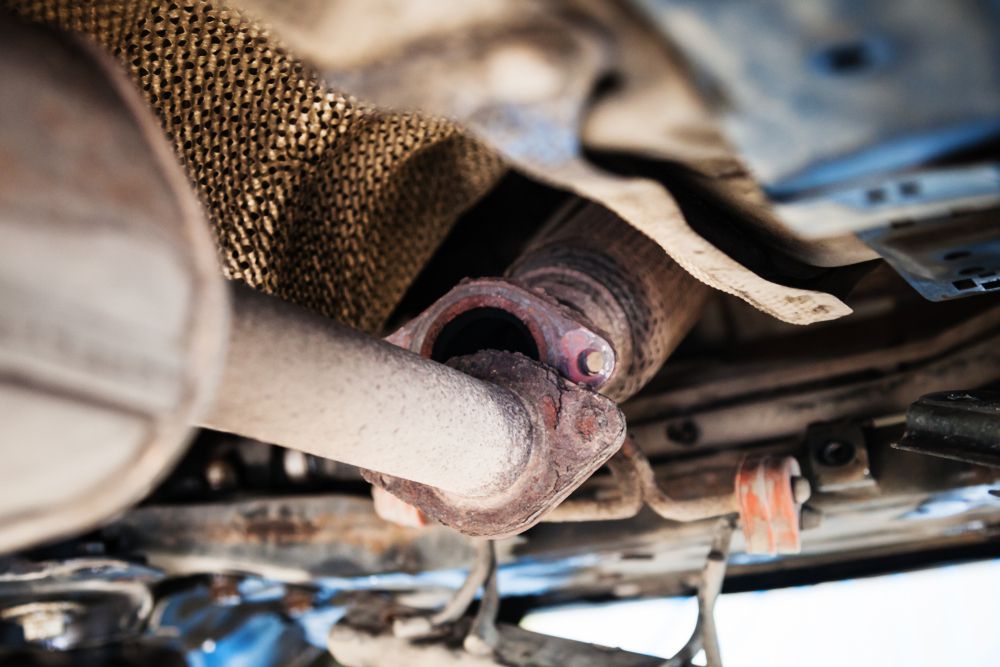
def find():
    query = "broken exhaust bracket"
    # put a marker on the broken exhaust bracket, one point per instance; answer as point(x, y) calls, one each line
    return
point(573, 432)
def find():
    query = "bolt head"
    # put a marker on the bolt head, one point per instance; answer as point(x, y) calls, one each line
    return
point(220, 475)
point(296, 465)
point(836, 453)
point(684, 432)
point(592, 362)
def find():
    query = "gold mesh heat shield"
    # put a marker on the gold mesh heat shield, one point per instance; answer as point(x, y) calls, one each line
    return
point(312, 196)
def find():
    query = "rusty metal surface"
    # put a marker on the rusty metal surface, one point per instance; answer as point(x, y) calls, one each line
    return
point(756, 405)
point(588, 267)
point(574, 431)
point(922, 503)
point(300, 380)
point(703, 495)
point(112, 311)
point(294, 538)
point(650, 556)
point(838, 458)
point(600, 302)
point(644, 554)
point(347, 539)
point(621, 281)
point(561, 336)
point(598, 502)
point(766, 492)
point(487, 458)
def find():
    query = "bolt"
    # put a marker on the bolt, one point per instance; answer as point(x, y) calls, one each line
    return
point(296, 465)
point(836, 453)
point(684, 432)
point(220, 475)
point(591, 362)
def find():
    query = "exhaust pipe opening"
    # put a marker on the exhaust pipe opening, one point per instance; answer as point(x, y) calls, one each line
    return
point(483, 329)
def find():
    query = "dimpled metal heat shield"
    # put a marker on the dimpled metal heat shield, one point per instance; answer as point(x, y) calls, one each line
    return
point(312, 196)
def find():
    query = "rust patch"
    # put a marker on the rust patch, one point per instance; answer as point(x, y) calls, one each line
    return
point(560, 334)
point(550, 411)
point(278, 530)
point(560, 458)
point(588, 424)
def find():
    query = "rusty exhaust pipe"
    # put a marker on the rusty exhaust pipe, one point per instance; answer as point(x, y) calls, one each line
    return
point(486, 447)
point(592, 297)
point(300, 380)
